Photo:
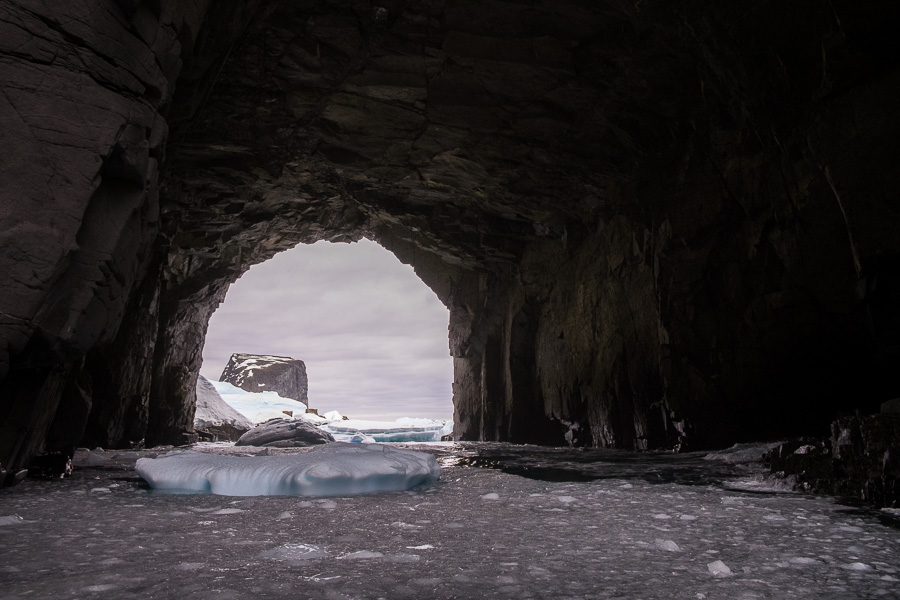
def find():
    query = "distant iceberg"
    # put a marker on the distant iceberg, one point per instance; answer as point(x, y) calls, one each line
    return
point(336, 469)
point(404, 429)
point(259, 407)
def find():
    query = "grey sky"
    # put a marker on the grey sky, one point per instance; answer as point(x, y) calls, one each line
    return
point(372, 335)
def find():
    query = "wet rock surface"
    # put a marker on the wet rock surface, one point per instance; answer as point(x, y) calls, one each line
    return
point(476, 533)
point(285, 433)
point(283, 375)
point(654, 226)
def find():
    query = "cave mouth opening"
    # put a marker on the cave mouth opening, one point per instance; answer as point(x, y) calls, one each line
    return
point(372, 334)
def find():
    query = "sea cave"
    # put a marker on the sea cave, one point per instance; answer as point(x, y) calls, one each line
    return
point(658, 227)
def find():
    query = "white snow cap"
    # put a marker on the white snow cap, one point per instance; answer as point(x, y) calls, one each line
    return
point(335, 469)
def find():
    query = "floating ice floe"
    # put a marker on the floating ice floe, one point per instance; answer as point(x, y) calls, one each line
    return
point(336, 469)
point(402, 430)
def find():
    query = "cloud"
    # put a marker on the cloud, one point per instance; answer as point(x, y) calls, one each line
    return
point(372, 335)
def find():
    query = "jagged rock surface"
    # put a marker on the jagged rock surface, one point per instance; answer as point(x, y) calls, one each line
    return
point(654, 225)
point(283, 375)
point(285, 433)
point(214, 419)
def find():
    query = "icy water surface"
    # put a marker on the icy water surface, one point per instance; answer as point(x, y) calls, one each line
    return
point(503, 522)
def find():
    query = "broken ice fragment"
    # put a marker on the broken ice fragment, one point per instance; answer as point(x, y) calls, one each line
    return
point(361, 555)
point(668, 545)
point(719, 569)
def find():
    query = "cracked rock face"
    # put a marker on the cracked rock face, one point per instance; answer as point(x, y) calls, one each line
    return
point(654, 226)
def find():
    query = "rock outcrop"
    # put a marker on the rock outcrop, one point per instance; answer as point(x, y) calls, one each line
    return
point(214, 419)
point(285, 433)
point(283, 375)
point(654, 225)
point(860, 461)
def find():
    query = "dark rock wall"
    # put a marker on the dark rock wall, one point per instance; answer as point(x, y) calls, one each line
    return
point(653, 225)
point(85, 92)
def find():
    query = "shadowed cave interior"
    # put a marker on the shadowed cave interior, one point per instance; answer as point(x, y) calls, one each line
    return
point(655, 227)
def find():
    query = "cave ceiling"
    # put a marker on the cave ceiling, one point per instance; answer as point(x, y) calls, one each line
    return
point(467, 136)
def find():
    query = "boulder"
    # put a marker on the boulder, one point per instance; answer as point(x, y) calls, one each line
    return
point(283, 375)
point(285, 433)
point(215, 419)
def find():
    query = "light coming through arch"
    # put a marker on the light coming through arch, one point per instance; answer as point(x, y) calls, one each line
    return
point(372, 335)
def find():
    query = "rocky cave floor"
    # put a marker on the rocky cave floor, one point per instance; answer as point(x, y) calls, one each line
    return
point(503, 522)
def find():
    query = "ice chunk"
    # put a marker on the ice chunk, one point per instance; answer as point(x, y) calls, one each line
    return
point(333, 415)
point(361, 555)
point(11, 520)
point(491, 496)
point(400, 557)
point(336, 469)
point(719, 569)
point(668, 545)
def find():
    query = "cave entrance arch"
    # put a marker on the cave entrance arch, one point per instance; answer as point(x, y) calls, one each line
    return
point(682, 252)
point(372, 334)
